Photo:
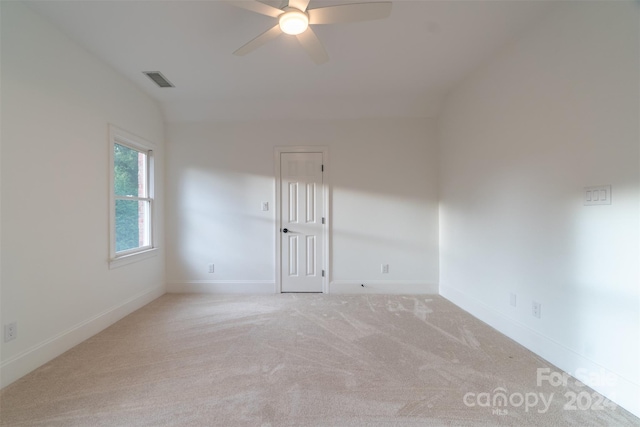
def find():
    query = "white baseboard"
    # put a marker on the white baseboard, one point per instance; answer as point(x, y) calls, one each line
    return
point(622, 391)
point(397, 287)
point(223, 287)
point(410, 287)
point(36, 356)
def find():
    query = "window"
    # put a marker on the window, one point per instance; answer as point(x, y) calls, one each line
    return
point(131, 197)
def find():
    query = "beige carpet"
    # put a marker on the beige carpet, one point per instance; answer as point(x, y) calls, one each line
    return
point(296, 360)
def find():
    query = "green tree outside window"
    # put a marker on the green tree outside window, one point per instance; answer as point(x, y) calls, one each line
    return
point(126, 183)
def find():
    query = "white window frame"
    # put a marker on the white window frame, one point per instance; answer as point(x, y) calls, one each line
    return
point(122, 137)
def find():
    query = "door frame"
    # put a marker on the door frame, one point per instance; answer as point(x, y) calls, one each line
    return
point(326, 210)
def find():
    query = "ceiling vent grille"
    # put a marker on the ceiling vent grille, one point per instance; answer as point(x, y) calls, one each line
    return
point(158, 78)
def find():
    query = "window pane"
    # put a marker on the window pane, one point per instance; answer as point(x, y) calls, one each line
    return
point(132, 224)
point(130, 171)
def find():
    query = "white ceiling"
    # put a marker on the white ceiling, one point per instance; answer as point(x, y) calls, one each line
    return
point(396, 67)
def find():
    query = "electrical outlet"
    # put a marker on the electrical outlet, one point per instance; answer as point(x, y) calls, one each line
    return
point(10, 331)
point(536, 309)
point(211, 268)
point(265, 206)
point(384, 268)
point(512, 299)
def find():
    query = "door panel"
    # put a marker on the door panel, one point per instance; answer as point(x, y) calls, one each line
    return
point(302, 208)
point(293, 256)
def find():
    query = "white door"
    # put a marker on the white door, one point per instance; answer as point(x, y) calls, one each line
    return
point(301, 225)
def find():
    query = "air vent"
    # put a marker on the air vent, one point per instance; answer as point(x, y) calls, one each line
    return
point(158, 78)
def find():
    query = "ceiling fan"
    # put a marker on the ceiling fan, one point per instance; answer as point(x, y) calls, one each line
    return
point(295, 18)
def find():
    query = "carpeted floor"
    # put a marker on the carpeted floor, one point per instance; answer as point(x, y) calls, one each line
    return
point(298, 360)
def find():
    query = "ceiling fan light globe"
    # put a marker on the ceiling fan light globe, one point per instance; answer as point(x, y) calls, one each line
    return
point(293, 22)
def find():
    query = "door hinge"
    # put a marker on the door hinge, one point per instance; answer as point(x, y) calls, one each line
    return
point(322, 273)
point(323, 220)
point(322, 168)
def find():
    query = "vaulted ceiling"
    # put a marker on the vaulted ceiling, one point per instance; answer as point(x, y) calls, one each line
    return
point(401, 66)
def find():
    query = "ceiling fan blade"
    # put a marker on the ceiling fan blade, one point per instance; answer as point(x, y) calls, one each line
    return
point(263, 38)
point(349, 13)
point(299, 4)
point(256, 6)
point(313, 46)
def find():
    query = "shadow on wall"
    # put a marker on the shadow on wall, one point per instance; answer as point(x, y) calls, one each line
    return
point(382, 194)
point(219, 218)
point(394, 157)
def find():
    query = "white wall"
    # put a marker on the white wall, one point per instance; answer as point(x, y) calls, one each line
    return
point(384, 204)
point(57, 101)
point(519, 139)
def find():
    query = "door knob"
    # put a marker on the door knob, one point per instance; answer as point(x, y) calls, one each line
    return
point(285, 230)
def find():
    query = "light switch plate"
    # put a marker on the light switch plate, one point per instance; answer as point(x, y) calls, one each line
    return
point(598, 195)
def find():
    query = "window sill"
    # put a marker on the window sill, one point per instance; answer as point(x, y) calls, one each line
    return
point(131, 258)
